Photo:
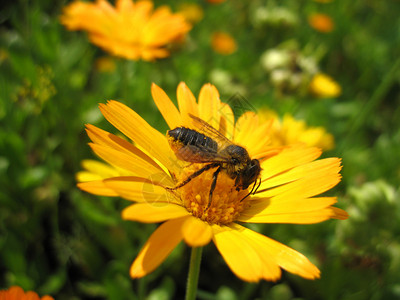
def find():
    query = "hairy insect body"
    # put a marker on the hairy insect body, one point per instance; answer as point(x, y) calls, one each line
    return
point(216, 152)
point(240, 166)
point(191, 146)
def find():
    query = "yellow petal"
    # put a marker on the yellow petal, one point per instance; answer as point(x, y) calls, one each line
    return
point(150, 53)
point(138, 130)
point(196, 232)
point(325, 166)
point(287, 159)
point(129, 162)
point(118, 48)
point(241, 258)
point(140, 189)
point(166, 107)
point(270, 268)
point(285, 257)
point(129, 6)
point(158, 247)
point(268, 206)
point(246, 124)
point(258, 139)
point(306, 217)
point(209, 105)
point(95, 170)
point(104, 138)
point(339, 214)
point(99, 168)
point(153, 213)
point(227, 121)
point(186, 102)
point(97, 188)
point(316, 182)
point(83, 176)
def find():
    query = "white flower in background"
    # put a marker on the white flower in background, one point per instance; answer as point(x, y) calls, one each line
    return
point(274, 16)
point(275, 58)
point(226, 83)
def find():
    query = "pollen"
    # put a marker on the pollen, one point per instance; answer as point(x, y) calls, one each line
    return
point(226, 202)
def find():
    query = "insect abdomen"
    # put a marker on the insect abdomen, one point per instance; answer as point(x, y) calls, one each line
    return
point(188, 136)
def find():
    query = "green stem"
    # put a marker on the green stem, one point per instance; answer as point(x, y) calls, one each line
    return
point(141, 288)
point(193, 275)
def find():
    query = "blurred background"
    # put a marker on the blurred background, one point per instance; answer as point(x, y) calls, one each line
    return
point(334, 65)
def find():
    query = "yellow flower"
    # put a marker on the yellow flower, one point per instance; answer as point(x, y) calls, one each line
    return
point(290, 131)
point(17, 293)
point(130, 30)
point(323, 86)
point(290, 178)
point(321, 22)
point(223, 43)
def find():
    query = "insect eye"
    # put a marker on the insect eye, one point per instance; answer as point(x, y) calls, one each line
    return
point(254, 169)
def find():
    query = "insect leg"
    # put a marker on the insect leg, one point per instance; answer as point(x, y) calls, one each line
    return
point(194, 175)
point(213, 184)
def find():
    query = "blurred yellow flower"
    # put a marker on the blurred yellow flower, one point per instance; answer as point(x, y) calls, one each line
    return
point(17, 293)
point(321, 22)
point(130, 30)
point(323, 86)
point(192, 12)
point(145, 172)
point(223, 43)
point(290, 131)
point(105, 64)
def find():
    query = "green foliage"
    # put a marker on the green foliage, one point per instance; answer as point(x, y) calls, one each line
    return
point(58, 240)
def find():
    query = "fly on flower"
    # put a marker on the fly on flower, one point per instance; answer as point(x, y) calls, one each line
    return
point(216, 151)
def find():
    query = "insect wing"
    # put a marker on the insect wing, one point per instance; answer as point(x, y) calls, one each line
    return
point(199, 154)
point(208, 130)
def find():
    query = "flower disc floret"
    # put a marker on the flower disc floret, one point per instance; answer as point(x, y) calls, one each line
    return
point(226, 202)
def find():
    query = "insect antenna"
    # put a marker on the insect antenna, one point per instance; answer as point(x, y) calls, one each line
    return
point(253, 189)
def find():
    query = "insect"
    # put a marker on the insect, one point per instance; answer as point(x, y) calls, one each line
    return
point(212, 148)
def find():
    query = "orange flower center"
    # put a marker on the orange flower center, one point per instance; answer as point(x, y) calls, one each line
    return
point(226, 202)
